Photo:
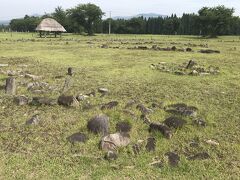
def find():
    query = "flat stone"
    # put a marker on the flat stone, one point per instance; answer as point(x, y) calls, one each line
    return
point(33, 77)
point(3, 65)
point(162, 128)
point(21, 100)
point(130, 104)
point(103, 90)
point(209, 51)
point(33, 121)
point(110, 155)
point(174, 122)
point(143, 109)
point(99, 124)
point(200, 122)
point(109, 105)
point(113, 141)
point(199, 156)
point(182, 109)
point(68, 101)
point(77, 137)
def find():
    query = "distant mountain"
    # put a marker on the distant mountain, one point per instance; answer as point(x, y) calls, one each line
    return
point(147, 15)
point(6, 22)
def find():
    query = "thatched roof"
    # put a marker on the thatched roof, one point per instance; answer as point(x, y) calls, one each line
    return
point(50, 25)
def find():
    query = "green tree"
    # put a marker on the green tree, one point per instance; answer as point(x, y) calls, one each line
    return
point(61, 16)
point(85, 15)
point(214, 21)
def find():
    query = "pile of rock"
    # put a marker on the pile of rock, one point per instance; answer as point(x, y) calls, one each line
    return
point(189, 68)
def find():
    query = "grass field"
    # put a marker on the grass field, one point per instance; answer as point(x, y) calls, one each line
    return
point(42, 151)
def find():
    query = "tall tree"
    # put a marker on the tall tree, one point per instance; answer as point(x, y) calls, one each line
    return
point(86, 15)
point(214, 21)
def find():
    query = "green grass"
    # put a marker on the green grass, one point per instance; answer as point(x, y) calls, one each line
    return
point(42, 152)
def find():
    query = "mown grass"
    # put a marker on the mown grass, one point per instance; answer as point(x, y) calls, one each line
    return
point(42, 151)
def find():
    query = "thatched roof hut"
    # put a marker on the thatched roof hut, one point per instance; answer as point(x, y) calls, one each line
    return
point(50, 25)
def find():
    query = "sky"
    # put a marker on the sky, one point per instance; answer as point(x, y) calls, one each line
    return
point(10, 9)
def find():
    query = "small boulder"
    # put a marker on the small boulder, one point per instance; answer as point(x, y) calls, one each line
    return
point(209, 51)
point(151, 144)
point(182, 109)
point(191, 64)
point(162, 128)
point(109, 105)
point(174, 122)
point(199, 156)
point(110, 155)
point(130, 104)
point(21, 100)
point(113, 141)
point(33, 77)
point(143, 109)
point(70, 71)
point(145, 119)
point(200, 122)
point(77, 137)
point(189, 49)
point(68, 101)
point(34, 120)
point(173, 159)
point(99, 124)
point(136, 148)
point(103, 90)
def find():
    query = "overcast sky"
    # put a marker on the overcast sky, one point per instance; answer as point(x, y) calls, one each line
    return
point(18, 8)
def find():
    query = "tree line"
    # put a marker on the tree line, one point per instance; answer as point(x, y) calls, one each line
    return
point(87, 18)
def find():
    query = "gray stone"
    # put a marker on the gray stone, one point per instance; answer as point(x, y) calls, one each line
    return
point(162, 128)
point(68, 101)
point(77, 137)
point(103, 90)
point(191, 64)
point(113, 141)
point(33, 121)
point(145, 119)
point(174, 122)
point(33, 77)
point(21, 100)
point(199, 156)
point(99, 124)
point(3, 65)
point(151, 144)
point(109, 105)
point(11, 86)
point(110, 155)
point(70, 71)
point(143, 109)
point(182, 109)
point(173, 159)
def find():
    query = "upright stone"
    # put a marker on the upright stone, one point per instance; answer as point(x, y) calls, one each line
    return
point(11, 86)
point(70, 71)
